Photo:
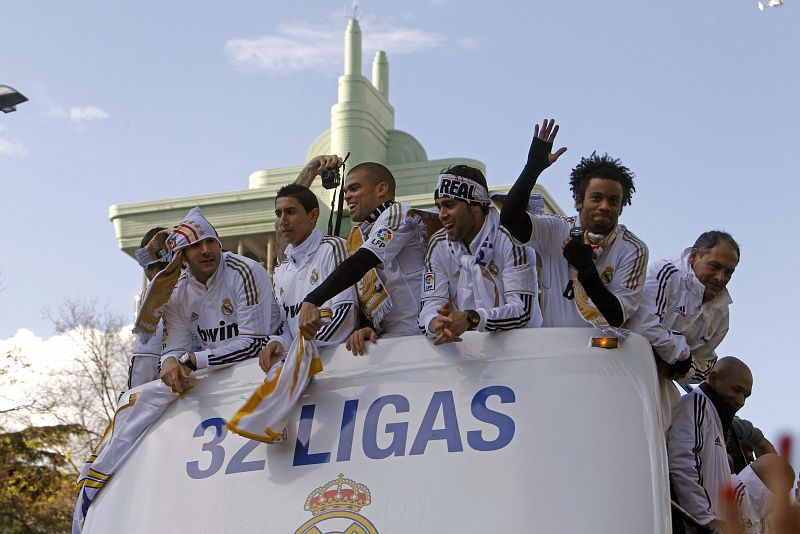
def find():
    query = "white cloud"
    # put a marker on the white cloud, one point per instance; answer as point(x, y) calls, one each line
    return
point(88, 113)
point(11, 147)
point(303, 46)
point(39, 361)
point(42, 358)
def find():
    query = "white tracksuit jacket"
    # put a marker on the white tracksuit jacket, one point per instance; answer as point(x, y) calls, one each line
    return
point(513, 277)
point(307, 266)
point(230, 316)
point(676, 321)
point(752, 499)
point(698, 460)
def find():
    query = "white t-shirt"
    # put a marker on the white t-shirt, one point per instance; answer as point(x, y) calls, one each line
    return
point(230, 315)
point(621, 266)
point(307, 266)
point(396, 239)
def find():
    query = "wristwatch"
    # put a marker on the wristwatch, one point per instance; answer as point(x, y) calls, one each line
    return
point(186, 359)
point(474, 319)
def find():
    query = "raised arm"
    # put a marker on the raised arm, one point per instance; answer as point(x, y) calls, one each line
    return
point(316, 166)
point(513, 215)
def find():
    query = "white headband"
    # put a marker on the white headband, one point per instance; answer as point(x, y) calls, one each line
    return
point(460, 188)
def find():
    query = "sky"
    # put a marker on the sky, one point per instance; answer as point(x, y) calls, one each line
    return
point(132, 102)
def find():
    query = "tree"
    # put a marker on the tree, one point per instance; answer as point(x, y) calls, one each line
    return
point(37, 492)
point(46, 437)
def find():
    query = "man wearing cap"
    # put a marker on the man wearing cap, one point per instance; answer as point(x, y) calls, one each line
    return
point(684, 312)
point(593, 268)
point(310, 257)
point(221, 300)
point(476, 277)
point(386, 250)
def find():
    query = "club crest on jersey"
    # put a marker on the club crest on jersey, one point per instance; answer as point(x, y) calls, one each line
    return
point(227, 306)
point(314, 276)
point(429, 282)
point(334, 505)
point(195, 316)
point(607, 275)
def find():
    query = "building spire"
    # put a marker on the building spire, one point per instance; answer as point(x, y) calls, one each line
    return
point(352, 48)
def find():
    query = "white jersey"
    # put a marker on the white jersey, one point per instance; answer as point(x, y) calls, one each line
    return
point(621, 267)
point(232, 313)
point(697, 457)
point(676, 321)
point(305, 267)
point(510, 277)
point(396, 240)
point(752, 501)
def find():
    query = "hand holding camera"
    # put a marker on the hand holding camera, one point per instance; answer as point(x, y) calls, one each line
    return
point(576, 252)
point(322, 165)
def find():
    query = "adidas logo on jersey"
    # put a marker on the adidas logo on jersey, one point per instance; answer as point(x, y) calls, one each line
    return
point(221, 333)
point(681, 310)
point(718, 442)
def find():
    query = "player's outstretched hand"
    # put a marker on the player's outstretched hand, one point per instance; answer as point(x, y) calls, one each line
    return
point(540, 154)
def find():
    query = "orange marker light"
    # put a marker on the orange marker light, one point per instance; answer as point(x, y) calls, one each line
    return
point(604, 342)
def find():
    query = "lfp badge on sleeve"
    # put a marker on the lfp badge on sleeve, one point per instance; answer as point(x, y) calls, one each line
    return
point(335, 506)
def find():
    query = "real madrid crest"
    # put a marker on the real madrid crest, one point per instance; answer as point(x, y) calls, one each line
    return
point(314, 276)
point(493, 268)
point(607, 275)
point(227, 306)
point(336, 506)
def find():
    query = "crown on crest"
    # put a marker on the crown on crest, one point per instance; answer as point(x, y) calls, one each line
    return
point(341, 494)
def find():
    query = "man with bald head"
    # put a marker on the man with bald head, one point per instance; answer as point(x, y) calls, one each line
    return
point(698, 459)
point(385, 263)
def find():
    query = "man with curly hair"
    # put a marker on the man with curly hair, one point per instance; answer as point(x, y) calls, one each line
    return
point(593, 268)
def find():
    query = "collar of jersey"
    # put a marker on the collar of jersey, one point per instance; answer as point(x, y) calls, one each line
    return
point(377, 212)
point(298, 256)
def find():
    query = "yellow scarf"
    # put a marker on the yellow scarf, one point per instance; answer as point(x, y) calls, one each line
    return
point(583, 303)
point(373, 298)
point(156, 297)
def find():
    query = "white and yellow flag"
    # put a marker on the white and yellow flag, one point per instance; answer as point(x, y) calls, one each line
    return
point(126, 429)
point(264, 416)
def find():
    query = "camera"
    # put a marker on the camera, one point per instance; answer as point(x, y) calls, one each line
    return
point(576, 233)
point(331, 178)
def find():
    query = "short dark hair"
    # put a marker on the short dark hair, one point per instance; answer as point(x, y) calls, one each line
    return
point(149, 235)
point(605, 167)
point(711, 239)
point(304, 196)
point(376, 174)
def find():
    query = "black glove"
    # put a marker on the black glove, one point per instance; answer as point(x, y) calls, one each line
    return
point(675, 371)
point(579, 255)
point(538, 156)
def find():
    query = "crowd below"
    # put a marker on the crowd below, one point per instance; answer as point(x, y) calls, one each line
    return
point(486, 270)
